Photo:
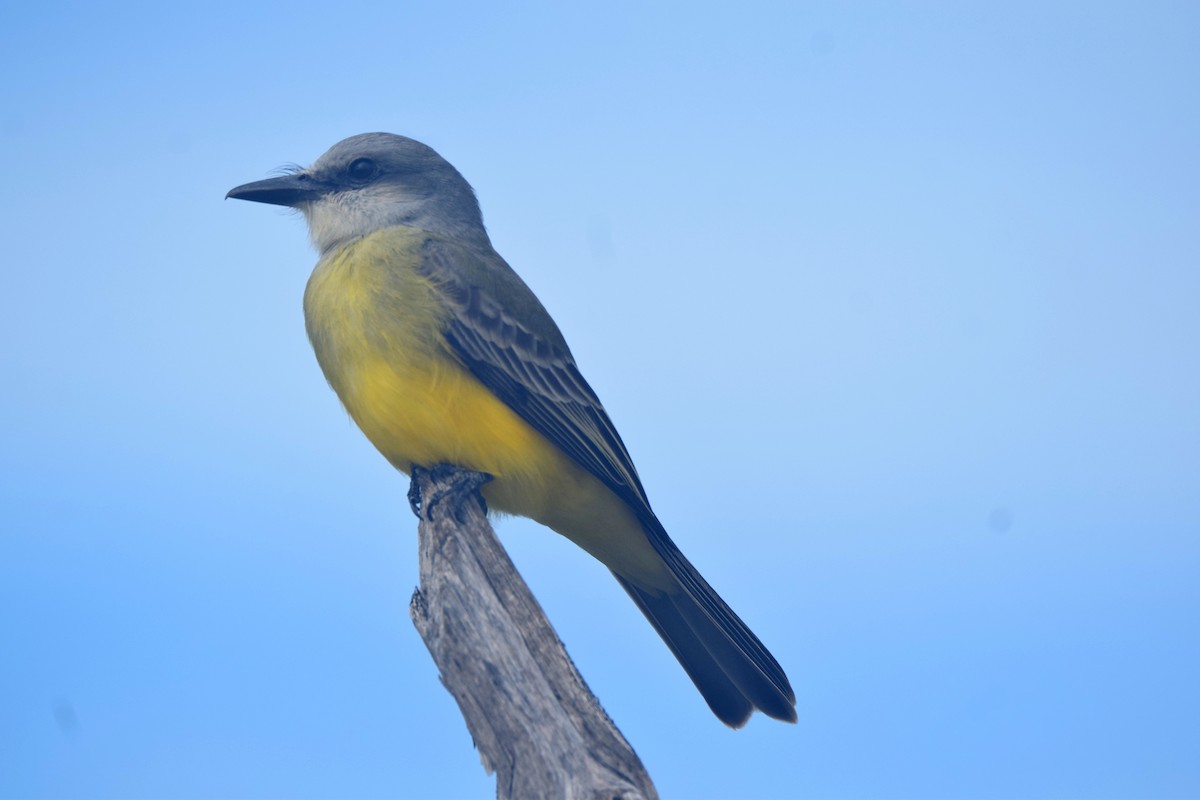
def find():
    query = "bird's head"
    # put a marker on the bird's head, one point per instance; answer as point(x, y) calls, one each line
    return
point(373, 181)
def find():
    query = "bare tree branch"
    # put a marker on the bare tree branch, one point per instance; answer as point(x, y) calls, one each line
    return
point(533, 719)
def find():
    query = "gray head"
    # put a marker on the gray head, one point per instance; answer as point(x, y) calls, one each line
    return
point(373, 181)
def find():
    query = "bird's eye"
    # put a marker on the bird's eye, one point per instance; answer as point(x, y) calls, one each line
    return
point(362, 169)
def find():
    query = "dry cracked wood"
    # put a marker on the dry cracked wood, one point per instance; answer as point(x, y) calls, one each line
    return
point(533, 719)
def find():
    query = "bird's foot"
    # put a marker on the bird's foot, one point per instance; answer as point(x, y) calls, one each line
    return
point(449, 480)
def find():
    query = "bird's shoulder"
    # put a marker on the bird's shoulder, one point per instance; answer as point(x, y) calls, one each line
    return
point(483, 290)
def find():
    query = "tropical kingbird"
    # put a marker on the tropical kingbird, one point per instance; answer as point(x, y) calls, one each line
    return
point(442, 355)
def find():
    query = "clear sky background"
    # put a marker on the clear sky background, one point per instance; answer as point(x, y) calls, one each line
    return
point(897, 307)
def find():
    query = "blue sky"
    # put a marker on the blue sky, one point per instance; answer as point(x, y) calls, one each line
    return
point(895, 305)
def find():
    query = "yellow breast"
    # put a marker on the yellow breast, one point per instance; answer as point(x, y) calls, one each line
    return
point(376, 324)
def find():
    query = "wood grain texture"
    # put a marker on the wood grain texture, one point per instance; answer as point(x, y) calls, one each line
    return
point(536, 724)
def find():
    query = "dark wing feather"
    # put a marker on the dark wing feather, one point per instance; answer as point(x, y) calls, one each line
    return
point(528, 366)
point(532, 375)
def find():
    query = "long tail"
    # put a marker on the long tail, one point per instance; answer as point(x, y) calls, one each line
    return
point(729, 665)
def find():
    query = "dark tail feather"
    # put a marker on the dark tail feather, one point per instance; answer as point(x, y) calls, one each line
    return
point(721, 694)
point(726, 661)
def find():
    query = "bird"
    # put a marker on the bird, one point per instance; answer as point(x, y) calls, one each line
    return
point(442, 354)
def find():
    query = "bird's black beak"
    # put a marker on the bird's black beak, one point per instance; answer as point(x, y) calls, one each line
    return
point(286, 190)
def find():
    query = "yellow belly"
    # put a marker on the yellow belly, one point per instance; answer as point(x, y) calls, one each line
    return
point(376, 326)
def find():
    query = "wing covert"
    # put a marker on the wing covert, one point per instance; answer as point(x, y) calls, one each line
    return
point(532, 374)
